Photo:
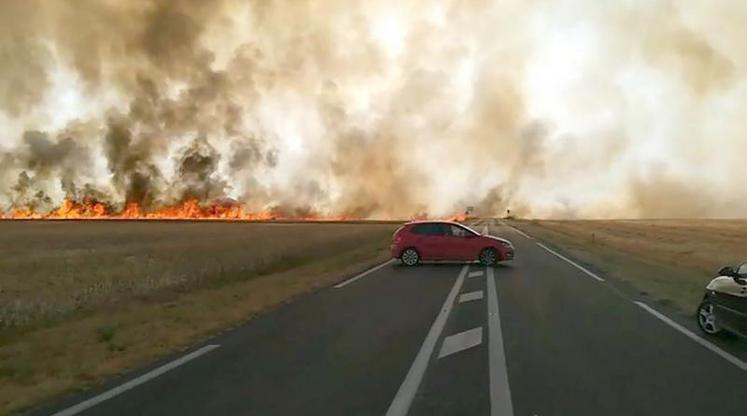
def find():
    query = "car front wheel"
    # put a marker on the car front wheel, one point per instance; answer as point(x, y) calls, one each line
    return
point(488, 257)
point(410, 257)
point(707, 319)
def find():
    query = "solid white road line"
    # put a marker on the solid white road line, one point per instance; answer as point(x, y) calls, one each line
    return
point(500, 393)
point(519, 231)
point(476, 273)
point(362, 275)
point(573, 263)
point(460, 342)
point(93, 401)
point(485, 230)
point(723, 354)
point(466, 297)
point(403, 399)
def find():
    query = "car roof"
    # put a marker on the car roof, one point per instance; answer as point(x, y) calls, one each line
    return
point(432, 222)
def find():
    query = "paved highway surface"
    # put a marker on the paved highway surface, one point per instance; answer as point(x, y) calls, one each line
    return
point(539, 336)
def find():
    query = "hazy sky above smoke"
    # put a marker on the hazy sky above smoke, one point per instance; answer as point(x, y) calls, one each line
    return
point(578, 108)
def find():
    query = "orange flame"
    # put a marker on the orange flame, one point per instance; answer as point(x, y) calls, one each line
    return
point(459, 217)
point(190, 209)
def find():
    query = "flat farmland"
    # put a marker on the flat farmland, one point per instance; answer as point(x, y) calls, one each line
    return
point(122, 293)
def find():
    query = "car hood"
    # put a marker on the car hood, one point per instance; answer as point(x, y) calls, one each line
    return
point(499, 239)
point(727, 285)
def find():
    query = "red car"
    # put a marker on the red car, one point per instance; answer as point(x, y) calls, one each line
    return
point(446, 240)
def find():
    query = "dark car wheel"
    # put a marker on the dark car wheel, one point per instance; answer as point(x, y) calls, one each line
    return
point(707, 319)
point(488, 257)
point(410, 257)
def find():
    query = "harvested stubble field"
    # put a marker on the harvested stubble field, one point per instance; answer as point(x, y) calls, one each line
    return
point(670, 260)
point(83, 300)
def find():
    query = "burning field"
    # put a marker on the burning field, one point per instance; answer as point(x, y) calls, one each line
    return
point(371, 109)
point(121, 294)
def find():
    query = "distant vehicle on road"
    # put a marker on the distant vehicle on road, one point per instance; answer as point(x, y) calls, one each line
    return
point(447, 240)
point(724, 306)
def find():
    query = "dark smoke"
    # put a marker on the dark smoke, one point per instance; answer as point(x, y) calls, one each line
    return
point(376, 109)
point(134, 175)
point(196, 172)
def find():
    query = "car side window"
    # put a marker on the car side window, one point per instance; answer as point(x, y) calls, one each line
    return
point(438, 229)
point(428, 229)
point(420, 229)
point(457, 231)
point(742, 270)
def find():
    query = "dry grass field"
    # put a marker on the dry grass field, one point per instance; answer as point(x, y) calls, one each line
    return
point(669, 260)
point(81, 301)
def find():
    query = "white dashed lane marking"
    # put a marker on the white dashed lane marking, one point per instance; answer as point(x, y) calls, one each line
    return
point(476, 273)
point(460, 342)
point(403, 399)
point(466, 297)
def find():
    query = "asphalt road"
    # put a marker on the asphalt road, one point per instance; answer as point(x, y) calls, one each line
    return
point(537, 336)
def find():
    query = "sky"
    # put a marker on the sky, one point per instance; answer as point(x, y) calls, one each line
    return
point(378, 109)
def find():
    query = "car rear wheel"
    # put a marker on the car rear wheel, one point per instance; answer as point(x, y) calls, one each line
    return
point(707, 319)
point(410, 257)
point(488, 257)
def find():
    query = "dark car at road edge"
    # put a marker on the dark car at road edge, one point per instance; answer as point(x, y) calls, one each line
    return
point(724, 305)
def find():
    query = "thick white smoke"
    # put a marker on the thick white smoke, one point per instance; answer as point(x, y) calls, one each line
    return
point(575, 108)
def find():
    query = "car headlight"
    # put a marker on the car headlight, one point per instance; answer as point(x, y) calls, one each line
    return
point(507, 244)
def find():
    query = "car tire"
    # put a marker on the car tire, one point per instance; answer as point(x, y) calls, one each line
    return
point(410, 257)
point(707, 319)
point(488, 257)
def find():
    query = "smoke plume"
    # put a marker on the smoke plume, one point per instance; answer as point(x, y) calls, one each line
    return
point(376, 109)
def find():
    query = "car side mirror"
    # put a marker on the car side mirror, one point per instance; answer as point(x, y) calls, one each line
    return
point(727, 271)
